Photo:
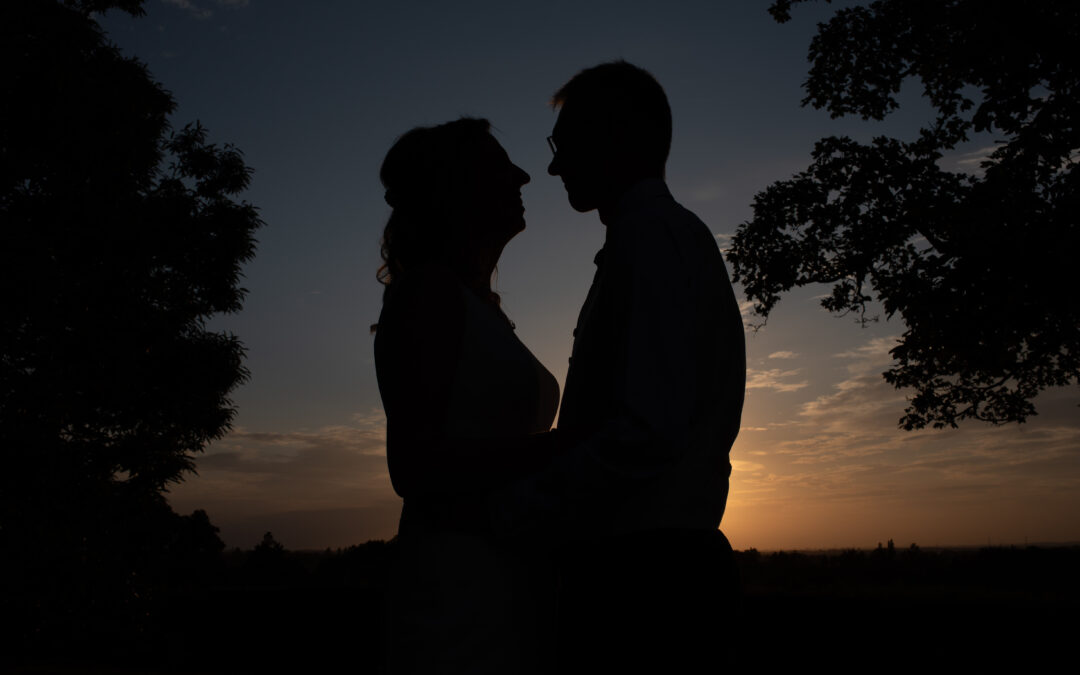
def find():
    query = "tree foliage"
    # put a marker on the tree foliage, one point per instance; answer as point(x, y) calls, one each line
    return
point(979, 266)
point(121, 238)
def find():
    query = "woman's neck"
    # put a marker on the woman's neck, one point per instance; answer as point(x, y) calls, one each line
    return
point(477, 274)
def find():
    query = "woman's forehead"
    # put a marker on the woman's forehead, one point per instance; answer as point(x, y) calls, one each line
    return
point(489, 148)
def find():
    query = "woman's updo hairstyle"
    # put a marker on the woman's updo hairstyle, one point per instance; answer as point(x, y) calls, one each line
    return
point(426, 176)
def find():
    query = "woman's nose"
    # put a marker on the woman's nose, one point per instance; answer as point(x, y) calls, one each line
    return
point(522, 177)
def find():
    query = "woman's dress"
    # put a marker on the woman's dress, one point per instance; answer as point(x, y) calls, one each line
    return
point(459, 601)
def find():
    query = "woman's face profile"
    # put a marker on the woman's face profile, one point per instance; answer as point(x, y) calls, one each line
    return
point(498, 210)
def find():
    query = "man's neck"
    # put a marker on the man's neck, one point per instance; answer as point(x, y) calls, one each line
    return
point(607, 213)
point(609, 209)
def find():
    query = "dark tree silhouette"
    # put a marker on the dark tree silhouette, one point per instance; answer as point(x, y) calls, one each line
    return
point(980, 268)
point(120, 239)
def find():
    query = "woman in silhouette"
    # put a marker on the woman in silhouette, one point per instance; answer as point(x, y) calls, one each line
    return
point(467, 407)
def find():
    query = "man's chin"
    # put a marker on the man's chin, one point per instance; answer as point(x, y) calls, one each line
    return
point(579, 203)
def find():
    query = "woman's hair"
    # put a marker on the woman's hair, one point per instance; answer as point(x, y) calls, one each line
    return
point(425, 175)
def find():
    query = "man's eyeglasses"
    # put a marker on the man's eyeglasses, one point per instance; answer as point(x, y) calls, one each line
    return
point(551, 144)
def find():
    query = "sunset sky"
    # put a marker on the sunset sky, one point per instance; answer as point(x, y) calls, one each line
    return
point(315, 93)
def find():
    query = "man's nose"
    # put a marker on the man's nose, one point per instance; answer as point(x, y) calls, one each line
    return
point(553, 168)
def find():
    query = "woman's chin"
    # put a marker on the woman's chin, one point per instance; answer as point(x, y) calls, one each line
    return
point(516, 226)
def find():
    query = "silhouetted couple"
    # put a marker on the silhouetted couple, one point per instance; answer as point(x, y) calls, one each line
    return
point(593, 547)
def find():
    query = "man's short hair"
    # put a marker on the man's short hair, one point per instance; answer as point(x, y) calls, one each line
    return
point(630, 101)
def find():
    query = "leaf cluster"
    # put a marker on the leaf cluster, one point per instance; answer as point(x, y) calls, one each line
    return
point(121, 238)
point(977, 265)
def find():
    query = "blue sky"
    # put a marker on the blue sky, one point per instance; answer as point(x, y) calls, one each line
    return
point(315, 93)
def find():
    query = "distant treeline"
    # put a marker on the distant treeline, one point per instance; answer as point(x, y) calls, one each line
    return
point(271, 608)
point(1038, 574)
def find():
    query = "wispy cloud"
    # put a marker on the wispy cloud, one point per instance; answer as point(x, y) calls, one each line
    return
point(750, 320)
point(858, 419)
point(751, 467)
point(191, 8)
point(783, 355)
point(709, 192)
point(838, 471)
point(872, 356)
point(201, 11)
point(773, 379)
point(252, 475)
point(968, 162)
point(723, 240)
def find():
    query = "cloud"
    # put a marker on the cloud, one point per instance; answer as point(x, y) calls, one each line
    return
point(968, 162)
point(856, 425)
point(723, 240)
point(858, 418)
point(751, 321)
point(771, 379)
point(977, 157)
point(782, 355)
point(191, 8)
point(709, 192)
point(841, 471)
point(250, 475)
point(971, 163)
point(871, 357)
point(743, 466)
point(850, 447)
point(202, 12)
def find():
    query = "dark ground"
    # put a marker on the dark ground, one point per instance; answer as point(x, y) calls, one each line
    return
point(271, 610)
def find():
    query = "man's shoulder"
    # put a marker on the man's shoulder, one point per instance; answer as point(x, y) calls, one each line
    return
point(656, 227)
point(650, 203)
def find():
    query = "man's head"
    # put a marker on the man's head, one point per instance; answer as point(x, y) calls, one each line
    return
point(614, 129)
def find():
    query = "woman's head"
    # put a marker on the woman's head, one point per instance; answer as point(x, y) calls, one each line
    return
point(456, 198)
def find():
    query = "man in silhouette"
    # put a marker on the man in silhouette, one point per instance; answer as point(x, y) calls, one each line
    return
point(653, 396)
